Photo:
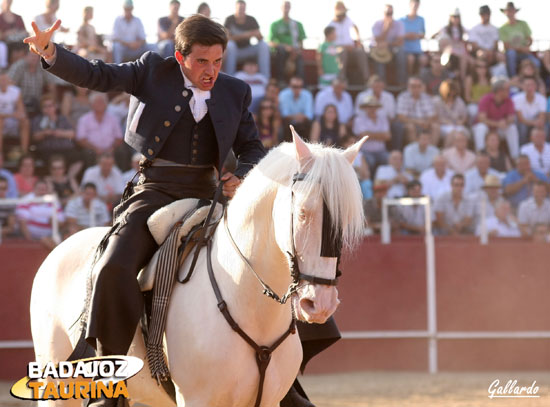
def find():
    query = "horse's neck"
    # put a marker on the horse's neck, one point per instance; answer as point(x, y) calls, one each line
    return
point(255, 237)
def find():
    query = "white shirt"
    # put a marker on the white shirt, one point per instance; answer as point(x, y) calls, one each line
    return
point(38, 216)
point(97, 216)
point(473, 181)
point(529, 110)
point(112, 184)
point(540, 161)
point(257, 83)
point(343, 31)
point(386, 100)
point(485, 36)
point(128, 31)
point(8, 99)
point(387, 172)
point(414, 159)
point(530, 214)
point(327, 97)
point(503, 229)
point(432, 185)
point(197, 103)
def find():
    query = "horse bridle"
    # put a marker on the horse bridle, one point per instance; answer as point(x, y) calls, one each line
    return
point(331, 245)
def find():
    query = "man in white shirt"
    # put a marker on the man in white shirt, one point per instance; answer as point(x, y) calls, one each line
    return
point(419, 156)
point(107, 178)
point(475, 176)
point(501, 224)
point(534, 210)
point(538, 151)
point(13, 117)
point(128, 36)
point(85, 210)
point(530, 108)
point(395, 175)
point(335, 95)
point(484, 36)
point(437, 179)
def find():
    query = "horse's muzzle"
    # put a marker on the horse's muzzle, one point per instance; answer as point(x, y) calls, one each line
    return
point(316, 303)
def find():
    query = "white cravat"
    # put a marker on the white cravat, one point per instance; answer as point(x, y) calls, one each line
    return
point(197, 103)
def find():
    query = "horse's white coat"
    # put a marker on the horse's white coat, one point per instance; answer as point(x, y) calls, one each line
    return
point(210, 364)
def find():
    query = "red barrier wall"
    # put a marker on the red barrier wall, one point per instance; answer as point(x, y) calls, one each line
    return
point(503, 286)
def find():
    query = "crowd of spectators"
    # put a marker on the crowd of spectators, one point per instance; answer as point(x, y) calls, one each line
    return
point(466, 126)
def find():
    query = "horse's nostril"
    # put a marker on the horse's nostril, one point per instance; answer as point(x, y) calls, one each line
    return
point(307, 304)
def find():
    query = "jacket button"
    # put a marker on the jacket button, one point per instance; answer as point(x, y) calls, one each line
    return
point(195, 143)
point(150, 152)
point(195, 151)
point(177, 108)
point(185, 93)
point(193, 160)
point(157, 139)
point(196, 136)
point(166, 123)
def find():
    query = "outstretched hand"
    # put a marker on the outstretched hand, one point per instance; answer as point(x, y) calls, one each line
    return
point(39, 43)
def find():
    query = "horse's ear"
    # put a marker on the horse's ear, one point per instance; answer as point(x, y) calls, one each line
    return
point(351, 152)
point(302, 150)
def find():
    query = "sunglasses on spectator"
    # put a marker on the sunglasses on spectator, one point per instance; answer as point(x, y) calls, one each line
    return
point(266, 107)
point(458, 184)
point(295, 86)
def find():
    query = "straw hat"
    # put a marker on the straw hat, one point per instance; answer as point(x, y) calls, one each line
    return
point(369, 101)
point(382, 55)
point(491, 181)
point(509, 6)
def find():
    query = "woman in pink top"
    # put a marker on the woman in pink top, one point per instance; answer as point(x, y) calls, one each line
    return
point(459, 158)
point(25, 178)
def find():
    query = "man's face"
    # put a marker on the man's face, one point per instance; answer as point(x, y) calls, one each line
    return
point(539, 192)
point(338, 87)
point(502, 211)
point(524, 165)
point(89, 194)
point(423, 139)
point(457, 186)
point(174, 8)
point(493, 193)
point(296, 86)
point(439, 165)
point(40, 189)
point(378, 87)
point(510, 13)
point(529, 86)
point(202, 65)
point(388, 11)
point(483, 163)
point(128, 11)
point(396, 160)
point(48, 107)
point(240, 9)
point(4, 80)
point(413, 6)
point(286, 8)
point(537, 137)
point(415, 88)
point(106, 164)
point(485, 18)
point(415, 191)
point(99, 105)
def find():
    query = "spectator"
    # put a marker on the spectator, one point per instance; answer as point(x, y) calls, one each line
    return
point(499, 160)
point(413, 217)
point(12, 185)
point(372, 123)
point(502, 223)
point(394, 175)
point(350, 47)
point(59, 182)
point(128, 36)
point(538, 151)
point(450, 110)
point(14, 123)
point(25, 178)
point(496, 112)
point(484, 36)
point(530, 109)
point(255, 80)
point(31, 79)
point(75, 104)
point(327, 129)
point(489, 195)
point(433, 75)
point(87, 41)
point(419, 156)
point(272, 94)
point(360, 166)
point(35, 218)
point(118, 107)
point(86, 210)
point(53, 134)
point(415, 30)
point(335, 95)
point(518, 183)
point(516, 36)
point(241, 28)
point(535, 209)
point(527, 69)
point(296, 108)
point(328, 66)
point(167, 28)
point(437, 179)
point(7, 213)
point(204, 9)
point(269, 124)
point(12, 33)
point(46, 19)
point(373, 208)
point(541, 233)
point(107, 178)
point(453, 210)
point(286, 37)
point(415, 110)
point(458, 157)
point(452, 42)
point(389, 35)
point(476, 85)
point(132, 174)
point(475, 177)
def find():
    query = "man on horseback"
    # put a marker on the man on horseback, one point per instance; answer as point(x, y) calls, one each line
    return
point(184, 118)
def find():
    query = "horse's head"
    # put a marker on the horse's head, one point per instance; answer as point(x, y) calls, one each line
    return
point(316, 215)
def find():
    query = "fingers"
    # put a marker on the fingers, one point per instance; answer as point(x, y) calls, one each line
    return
point(35, 28)
point(55, 26)
point(226, 176)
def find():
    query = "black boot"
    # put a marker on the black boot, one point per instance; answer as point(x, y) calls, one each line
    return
point(105, 401)
point(296, 397)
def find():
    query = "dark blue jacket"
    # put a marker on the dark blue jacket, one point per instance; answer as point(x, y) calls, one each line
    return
point(160, 99)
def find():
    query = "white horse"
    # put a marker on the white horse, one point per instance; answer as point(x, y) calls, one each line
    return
point(210, 364)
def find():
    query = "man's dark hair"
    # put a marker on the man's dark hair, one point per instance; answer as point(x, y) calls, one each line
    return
point(413, 183)
point(89, 185)
point(329, 30)
point(457, 176)
point(199, 29)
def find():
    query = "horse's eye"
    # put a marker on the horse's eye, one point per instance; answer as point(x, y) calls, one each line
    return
point(302, 215)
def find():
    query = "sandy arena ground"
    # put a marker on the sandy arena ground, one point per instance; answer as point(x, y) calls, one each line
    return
point(385, 389)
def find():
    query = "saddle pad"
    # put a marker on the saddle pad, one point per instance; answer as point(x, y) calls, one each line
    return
point(160, 224)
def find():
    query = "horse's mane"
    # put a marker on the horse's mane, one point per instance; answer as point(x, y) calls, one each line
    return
point(329, 173)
